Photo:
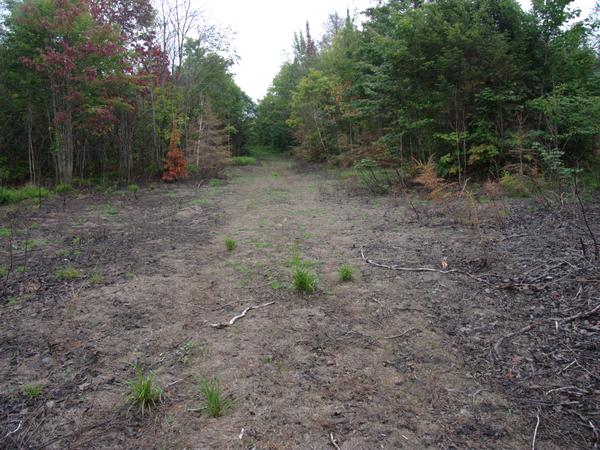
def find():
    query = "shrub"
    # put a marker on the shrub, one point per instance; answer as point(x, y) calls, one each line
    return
point(346, 273)
point(230, 244)
point(10, 195)
point(176, 164)
point(133, 188)
point(304, 281)
point(144, 392)
point(515, 185)
point(216, 403)
point(243, 161)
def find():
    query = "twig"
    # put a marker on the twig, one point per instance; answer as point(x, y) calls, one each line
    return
point(234, 319)
point(15, 430)
point(334, 442)
point(420, 269)
point(577, 316)
point(399, 335)
point(537, 425)
point(508, 336)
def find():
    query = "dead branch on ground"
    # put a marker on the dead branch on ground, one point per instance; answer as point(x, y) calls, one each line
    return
point(239, 316)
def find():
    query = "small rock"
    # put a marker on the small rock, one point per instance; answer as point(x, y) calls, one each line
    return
point(50, 404)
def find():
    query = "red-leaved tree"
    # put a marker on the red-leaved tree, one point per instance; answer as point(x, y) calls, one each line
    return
point(176, 164)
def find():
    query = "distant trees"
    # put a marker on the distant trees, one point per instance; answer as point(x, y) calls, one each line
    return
point(91, 88)
point(480, 85)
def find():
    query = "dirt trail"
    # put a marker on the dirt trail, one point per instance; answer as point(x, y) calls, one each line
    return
point(369, 361)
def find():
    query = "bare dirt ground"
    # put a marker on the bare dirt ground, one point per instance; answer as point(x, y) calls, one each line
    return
point(393, 359)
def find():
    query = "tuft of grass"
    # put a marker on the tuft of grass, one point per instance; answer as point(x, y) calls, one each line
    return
point(67, 273)
point(243, 160)
point(230, 244)
point(134, 189)
point(3, 272)
point(144, 392)
point(304, 281)
point(111, 210)
point(31, 390)
point(95, 278)
point(4, 232)
point(217, 403)
point(346, 273)
point(15, 195)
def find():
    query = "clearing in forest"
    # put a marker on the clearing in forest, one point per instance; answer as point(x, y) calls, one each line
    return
point(382, 359)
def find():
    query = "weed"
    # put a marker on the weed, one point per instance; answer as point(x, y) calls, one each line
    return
point(3, 272)
point(243, 161)
point(13, 301)
point(111, 210)
point(199, 202)
point(31, 390)
point(133, 188)
point(230, 244)
point(216, 182)
point(67, 273)
point(69, 374)
point(304, 281)
point(4, 232)
point(296, 261)
point(217, 404)
point(144, 392)
point(95, 278)
point(346, 273)
point(130, 275)
point(277, 285)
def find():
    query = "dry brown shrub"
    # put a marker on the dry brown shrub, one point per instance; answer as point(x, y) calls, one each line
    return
point(428, 177)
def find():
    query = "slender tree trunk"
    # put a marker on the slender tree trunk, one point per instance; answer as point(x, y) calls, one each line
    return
point(30, 152)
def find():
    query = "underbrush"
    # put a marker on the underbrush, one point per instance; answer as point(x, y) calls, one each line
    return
point(243, 161)
point(15, 195)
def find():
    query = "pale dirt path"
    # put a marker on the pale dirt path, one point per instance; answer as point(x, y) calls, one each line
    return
point(309, 366)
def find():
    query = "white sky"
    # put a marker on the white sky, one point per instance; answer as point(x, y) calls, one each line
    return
point(265, 29)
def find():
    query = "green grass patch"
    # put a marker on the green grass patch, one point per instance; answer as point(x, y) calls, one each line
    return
point(95, 278)
point(297, 262)
point(3, 272)
point(199, 202)
point(230, 244)
point(346, 273)
point(264, 152)
point(217, 403)
point(144, 392)
point(15, 195)
point(31, 390)
point(111, 210)
point(216, 182)
point(4, 232)
point(304, 281)
point(67, 273)
point(243, 161)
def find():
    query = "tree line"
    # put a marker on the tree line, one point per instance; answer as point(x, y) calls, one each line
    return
point(480, 87)
point(95, 89)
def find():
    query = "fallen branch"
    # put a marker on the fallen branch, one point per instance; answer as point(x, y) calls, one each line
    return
point(334, 442)
point(581, 315)
point(15, 430)
point(420, 269)
point(398, 335)
point(509, 336)
point(234, 319)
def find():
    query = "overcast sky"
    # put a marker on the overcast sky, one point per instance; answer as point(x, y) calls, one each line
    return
point(265, 29)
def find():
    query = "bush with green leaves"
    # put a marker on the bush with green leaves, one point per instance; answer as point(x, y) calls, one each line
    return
point(217, 403)
point(304, 281)
point(144, 391)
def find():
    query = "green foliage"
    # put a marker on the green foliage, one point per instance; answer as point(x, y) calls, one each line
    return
point(243, 161)
point(31, 390)
point(346, 273)
point(230, 244)
point(304, 281)
point(10, 195)
point(144, 392)
point(515, 185)
point(217, 403)
point(67, 273)
point(134, 189)
point(4, 232)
